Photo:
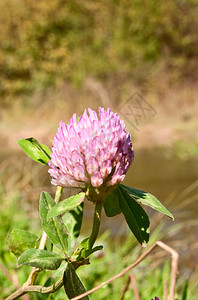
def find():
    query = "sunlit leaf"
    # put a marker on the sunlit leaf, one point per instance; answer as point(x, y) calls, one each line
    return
point(73, 222)
point(21, 240)
point(41, 259)
point(135, 216)
point(36, 151)
point(55, 227)
point(147, 199)
point(66, 205)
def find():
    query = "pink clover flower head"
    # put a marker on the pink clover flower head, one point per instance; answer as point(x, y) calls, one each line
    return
point(93, 153)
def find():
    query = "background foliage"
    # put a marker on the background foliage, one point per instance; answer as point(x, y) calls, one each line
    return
point(43, 43)
point(150, 273)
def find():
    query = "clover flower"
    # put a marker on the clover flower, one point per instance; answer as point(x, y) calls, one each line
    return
point(93, 153)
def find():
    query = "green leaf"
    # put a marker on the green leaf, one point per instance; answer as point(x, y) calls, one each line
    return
point(135, 216)
point(55, 227)
point(48, 245)
point(147, 199)
point(185, 291)
point(73, 222)
point(84, 244)
point(111, 204)
point(59, 273)
point(36, 151)
point(21, 240)
point(72, 284)
point(66, 205)
point(41, 259)
point(83, 251)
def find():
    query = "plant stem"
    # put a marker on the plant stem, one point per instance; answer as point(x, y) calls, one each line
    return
point(96, 224)
point(58, 194)
point(36, 288)
point(32, 277)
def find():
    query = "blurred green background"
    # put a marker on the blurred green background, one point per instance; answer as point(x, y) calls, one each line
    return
point(59, 57)
point(45, 43)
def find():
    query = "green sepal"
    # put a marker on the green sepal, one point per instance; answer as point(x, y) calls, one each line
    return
point(72, 284)
point(21, 240)
point(55, 227)
point(135, 216)
point(147, 199)
point(41, 259)
point(36, 151)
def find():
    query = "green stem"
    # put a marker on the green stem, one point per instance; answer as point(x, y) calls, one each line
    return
point(96, 224)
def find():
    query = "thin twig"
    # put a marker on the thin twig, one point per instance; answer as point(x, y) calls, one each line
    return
point(165, 289)
point(135, 288)
point(36, 288)
point(174, 267)
point(131, 279)
point(125, 288)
